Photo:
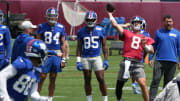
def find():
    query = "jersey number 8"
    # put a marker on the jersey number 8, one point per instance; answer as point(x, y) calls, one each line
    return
point(135, 42)
point(23, 84)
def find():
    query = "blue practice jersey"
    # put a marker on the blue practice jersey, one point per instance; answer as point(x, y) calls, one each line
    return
point(19, 86)
point(51, 35)
point(19, 46)
point(91, 41)
point(167, 45)
point(5, 42)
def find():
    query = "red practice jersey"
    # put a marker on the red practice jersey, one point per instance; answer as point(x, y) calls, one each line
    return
point(133, 47)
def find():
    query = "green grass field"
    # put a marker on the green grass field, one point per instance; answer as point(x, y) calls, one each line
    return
point(70, 83)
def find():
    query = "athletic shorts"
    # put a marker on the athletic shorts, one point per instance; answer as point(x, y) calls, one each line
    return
point(136, 70)
point(52, 64)
point(94, 63)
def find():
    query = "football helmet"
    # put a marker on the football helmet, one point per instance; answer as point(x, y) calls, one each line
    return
point(36, 49)
point(90, 19)
point(1, 17)
point(137, 19)
point(52, 15)
point(144, 24)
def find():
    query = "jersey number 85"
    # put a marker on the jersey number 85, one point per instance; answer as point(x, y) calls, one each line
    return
point(91, 42)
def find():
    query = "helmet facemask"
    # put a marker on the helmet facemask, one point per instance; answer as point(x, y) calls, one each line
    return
point(90, 22)
point(52, 18)
point(136, 25)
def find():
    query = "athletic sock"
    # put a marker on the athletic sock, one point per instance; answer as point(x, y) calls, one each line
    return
point(105, 98)
point(89, 98)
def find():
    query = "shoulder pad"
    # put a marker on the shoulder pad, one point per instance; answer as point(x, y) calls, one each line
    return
point(98, 28)
point(3, 27)
point(59, 25)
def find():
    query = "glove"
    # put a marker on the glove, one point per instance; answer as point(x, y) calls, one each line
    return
point(2, 98)
point(44, 98)
point(79, 66)
point(106, 64)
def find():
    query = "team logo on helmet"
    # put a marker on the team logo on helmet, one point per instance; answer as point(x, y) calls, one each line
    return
point(52, 15)
point(90, 18)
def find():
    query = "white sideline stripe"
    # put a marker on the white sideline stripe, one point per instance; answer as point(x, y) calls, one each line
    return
point(59, 96)
point(130, 88)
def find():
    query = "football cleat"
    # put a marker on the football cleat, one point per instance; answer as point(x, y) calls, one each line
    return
point(135, 88)
point(90, 19)
point(52, 15)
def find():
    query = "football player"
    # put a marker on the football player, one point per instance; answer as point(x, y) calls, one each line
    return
point(53, 34)
point(5, 43)
point(90, 39)
point(134, 45)
point(19, 80)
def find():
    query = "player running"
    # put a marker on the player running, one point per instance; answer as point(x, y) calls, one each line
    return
point(90, 38)
point(5, 43)
point(19, 80)
point(134, 45)
point(53, 34)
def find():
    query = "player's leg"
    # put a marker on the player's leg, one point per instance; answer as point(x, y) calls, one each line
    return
point(52, 79)
point(157, 74)
point(45, 69)
point(87, 84)
point(102, 84)
point(134, 87)
point(120, 82)
point(169, 71)
point(99, 71)
point(55, 68)
point(42, 78)
point(87, 78)
point(142, 84)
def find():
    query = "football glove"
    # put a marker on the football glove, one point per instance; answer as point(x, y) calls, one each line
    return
point(105, 64)
point(79, 66)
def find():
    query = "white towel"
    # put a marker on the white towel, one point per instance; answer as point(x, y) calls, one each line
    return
point(126, 71)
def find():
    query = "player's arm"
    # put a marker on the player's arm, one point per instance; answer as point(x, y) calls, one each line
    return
point(178, 48)
point(79, 48)
point(118, 27)
point(105, 49)
point(63, 50)
point(5, 74)
point(8, 43)
point(34, 94)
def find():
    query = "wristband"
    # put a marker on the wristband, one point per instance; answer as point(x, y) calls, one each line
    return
point(111, 18)
point(78, 59)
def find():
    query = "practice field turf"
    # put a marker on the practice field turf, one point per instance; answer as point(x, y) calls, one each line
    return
point(70, 83)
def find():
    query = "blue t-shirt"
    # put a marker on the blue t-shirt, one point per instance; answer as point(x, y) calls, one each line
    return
point(19, 46)
point(167, 45)
point(5, 42)
point(51, 35)
point(91, 41)
point(19, 86)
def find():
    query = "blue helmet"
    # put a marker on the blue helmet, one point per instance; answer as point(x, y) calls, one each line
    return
point(90, 18)
point(36, 49)
point(52, 15)
point(137, 19)
point(1, 16)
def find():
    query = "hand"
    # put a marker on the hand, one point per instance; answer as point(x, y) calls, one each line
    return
point(79, 66)
point(44, 98)
point(150, 63)
point(106, 64)
point(179, 66)
point(63, 64)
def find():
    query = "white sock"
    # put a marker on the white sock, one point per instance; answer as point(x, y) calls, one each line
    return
point(89, 98)
point(105, 98)
point(50, 98)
